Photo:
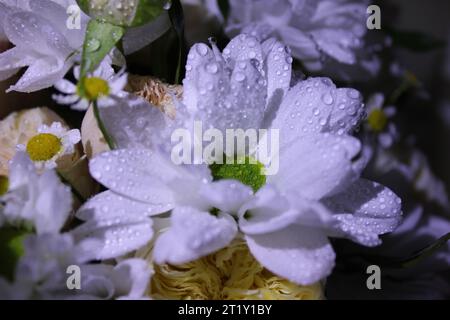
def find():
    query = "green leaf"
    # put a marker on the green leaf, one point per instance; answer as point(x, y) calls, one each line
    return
point(11, 249)
point(109, 139)
point(415, 40)
point(100, 38)
point(176, 15)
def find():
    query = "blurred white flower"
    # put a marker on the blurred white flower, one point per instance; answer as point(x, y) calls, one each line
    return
point(103, 86)
point(379, 120)
point(51, 144)
point(37, 201)
point(43, 43)
point(41, 273)
point(323, 35)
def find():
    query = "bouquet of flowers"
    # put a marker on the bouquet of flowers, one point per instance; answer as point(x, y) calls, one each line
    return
point(210, 149)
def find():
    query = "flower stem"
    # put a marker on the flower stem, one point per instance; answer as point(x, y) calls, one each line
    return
point(109, 140)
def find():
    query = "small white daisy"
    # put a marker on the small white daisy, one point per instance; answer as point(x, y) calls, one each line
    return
point(50, 144)
point(104, 86)
point(379, 120)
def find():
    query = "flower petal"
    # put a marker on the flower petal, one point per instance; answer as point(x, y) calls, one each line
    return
point(43, 73)
point(270, 211)
point(134, 123)
point(135, 173)
point(317, 166)
point(365, 211)
point(226, 195)
point(315, 105)
point(243, 48)
point(30, 31)
point(298, 254)
point(279, 67)
point(108, 205)
point(131, 278)
point(192, 235)
point(105, 238)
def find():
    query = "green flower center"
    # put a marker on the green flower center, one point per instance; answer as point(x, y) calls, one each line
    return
point(95, 88)
point(250, 173)
point(11, 249)
point(377, 120)
point(4, 185)
point(43, 147)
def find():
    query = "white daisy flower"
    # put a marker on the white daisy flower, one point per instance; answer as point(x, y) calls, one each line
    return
point(51, 144)
point(379, 120)
point(286, 218)
point(34, 201)
point(104, 86)
point(41, 273)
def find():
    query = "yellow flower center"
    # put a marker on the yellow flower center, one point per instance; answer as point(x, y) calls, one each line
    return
point(43, 147)
point(230, 274)
point(4, 185)
point(377, 120)
point(95, 88)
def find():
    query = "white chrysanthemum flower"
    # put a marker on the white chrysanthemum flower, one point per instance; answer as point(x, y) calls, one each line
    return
point(51, 144)
point(322, 34)
point(189, 191)
point(287, 217)
point(41, 273)
point(379, 120)
point(43, 43)
point(33, 200)
point(104, 86)
point(47, 46)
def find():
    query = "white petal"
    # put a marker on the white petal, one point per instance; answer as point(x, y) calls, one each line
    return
point(317, 166)
point(243, 48)
point(108, 205)
point(347, 112)
point(134, 123)
point(298, 254)
point(110, 238)
point(135, 173)
point(65, 86)
point(54, 203)
point(315, 105)
point(28, 30)
point(226, 195)
point(192, 235)
point(279, 67)
point(81, 105)
point(220, 99)
point(270, 211)
point(301, 44)
point(366, 210)
point(131, 278)
point(11, 61)
point(41, 74)
point(336, 43)
point(305, 109)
